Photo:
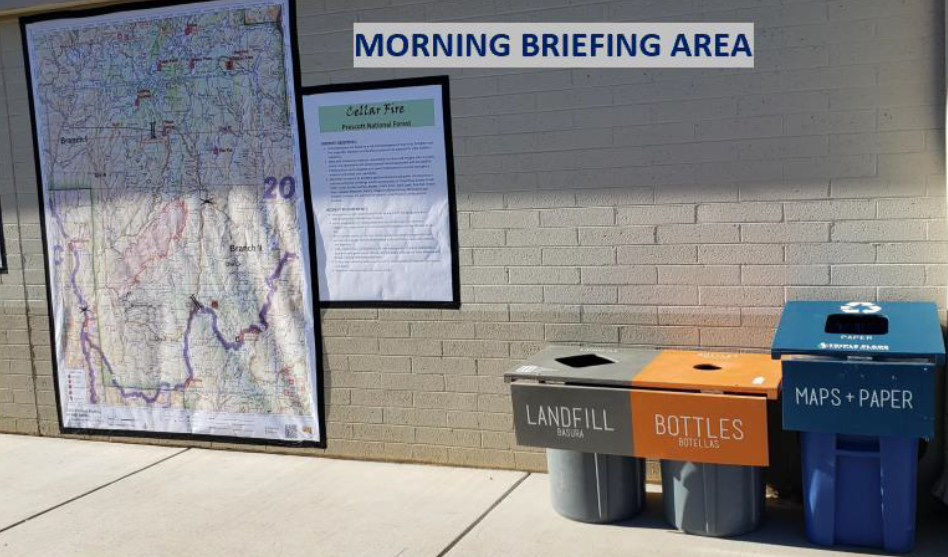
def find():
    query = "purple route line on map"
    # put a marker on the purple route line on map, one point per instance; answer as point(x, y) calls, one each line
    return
point(84, 341)
point(237, 344)
point(197, 308)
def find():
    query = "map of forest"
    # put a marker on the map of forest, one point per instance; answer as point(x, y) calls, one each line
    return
point(175, 220)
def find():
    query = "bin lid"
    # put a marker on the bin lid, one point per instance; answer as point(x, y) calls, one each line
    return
point(720, 372)
point(584, 365)
point(884, 330)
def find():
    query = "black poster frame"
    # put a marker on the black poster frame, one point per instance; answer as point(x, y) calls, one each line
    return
point(317, 327)
point(437, 80)
point(3, 245)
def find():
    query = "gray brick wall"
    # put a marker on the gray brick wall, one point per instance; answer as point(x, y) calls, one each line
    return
point(660, 207)
point(22, 304)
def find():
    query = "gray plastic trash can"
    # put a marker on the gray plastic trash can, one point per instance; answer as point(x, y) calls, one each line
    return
point(713, 499)
point(594, 487)
point(574, 401)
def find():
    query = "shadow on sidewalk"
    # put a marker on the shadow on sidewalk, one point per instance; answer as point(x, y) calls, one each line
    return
point(783, 525)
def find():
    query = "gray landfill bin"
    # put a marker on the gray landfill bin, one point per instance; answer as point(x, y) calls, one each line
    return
point(566, 400)
point(713, 499)
point(595, 487)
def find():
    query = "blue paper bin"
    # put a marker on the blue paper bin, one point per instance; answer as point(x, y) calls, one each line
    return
point(859, 383)
point(860, 490)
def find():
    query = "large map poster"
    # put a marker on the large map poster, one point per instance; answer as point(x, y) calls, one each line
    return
point(176, 226)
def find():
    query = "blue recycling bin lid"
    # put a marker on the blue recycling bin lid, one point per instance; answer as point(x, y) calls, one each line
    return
point(881, 330)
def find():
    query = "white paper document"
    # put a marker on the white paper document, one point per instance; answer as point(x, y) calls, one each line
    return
point(379, 175)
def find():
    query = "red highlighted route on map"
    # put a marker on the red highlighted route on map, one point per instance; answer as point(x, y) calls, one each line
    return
point(152, 244)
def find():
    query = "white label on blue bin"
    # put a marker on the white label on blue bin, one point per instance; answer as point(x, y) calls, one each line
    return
point(871, 398)
point(861, 307)
point(848, 346)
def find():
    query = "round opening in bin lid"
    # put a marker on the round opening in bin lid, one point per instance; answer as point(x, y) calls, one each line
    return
point(707, 367)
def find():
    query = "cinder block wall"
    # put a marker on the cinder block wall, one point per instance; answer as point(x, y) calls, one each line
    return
point(662, 207)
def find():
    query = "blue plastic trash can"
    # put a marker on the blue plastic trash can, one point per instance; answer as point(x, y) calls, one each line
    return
point(860, 490)
point(859, 382)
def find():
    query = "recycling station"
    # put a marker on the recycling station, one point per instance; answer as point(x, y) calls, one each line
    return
point(859, 384)
point(858, 380)
point(600, 411)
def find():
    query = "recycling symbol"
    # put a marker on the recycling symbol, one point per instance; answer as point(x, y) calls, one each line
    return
point(860, 307)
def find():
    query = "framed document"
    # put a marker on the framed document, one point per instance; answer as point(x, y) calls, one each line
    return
point(381, 174)
point(175, 222)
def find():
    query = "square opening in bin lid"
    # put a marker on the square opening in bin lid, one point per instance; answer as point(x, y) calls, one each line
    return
point(583, 365)
point(718, 372)
point(880, 330)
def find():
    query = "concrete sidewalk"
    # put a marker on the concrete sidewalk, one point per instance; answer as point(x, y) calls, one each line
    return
point(64, 497)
